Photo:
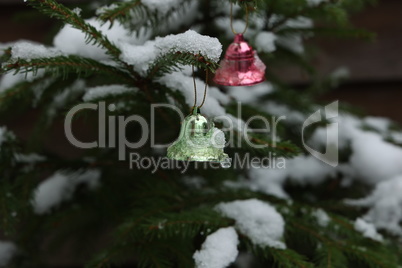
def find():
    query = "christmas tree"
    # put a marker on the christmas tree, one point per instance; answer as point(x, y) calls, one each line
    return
point(309, 184)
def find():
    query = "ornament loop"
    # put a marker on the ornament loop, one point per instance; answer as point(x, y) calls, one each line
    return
point(195, 90)
point(231, 20)
point(205, 89)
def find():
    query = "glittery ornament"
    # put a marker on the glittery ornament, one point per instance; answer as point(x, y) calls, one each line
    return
point(241, 65)
point(199, 140)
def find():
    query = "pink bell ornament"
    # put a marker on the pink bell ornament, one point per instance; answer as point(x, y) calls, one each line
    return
point(241, 65)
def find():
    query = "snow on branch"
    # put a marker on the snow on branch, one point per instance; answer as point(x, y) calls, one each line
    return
point(161, 6)
point(60, 187)
point(68, 16)
point(136, 13)
point(191, 42)
point(29, 50)
point(201, 48)
point(63, 66)
point(104, 91)
point(384, 204)
point(5, 135)
point(71, 40)
point(219, 250)
point(367, 229)
point(7, 251)
point(256, 219)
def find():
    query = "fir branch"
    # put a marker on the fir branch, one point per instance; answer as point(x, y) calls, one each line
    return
point(370, 258)
point(173, 61)
point(65, 65)
point(189, 224)
point(120, 11)
point(54, 9)
point(6, 55)
point(283, 148)
point(151, 230)
point(355, 5)
point(59, 11)
point(330, 257)
point(290, 258)
point(342, 244)
point(23, 93)
point(136, 14)
point(246, 3)
point(284, 258)
point(333, 12)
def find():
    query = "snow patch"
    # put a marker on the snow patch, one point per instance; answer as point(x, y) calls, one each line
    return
point(60, 187)
point(142, 56)
point(161, 6)
point(348, 129)
point(29, 158)
point(7, 251)
point(381, 124)
point(256, 219)
point(250, 94)
point(292, 116)
point(72, 41)
point(30, 50)
point(3, 138)
point(322, 217)
point(77, 11)
point(340, 73)
point(374, 159)
point(5, 135)
point(10, 79)
point(293, 41)
point(194, 182)
point(367, 229)
point(139, 56)
point(191, 42)
point(315, 2)
point(396, 136)
point(268, 181)
point(300, 170)
point(265, 42)
point(219, 250)
point(104, 91)
point(299, 22)
point(68, 94)
point(385, 204)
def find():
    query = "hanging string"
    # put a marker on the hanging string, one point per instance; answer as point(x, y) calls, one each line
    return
point(195, 90)
point(205, 89)
point(231, 20)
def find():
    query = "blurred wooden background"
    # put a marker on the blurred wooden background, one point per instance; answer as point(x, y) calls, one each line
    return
point(375, 82)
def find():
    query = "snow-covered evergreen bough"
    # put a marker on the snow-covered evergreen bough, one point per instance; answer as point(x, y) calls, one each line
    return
point(134, 57)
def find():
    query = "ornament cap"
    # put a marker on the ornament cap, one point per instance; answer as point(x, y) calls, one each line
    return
point(239, 49)
point(239, 38)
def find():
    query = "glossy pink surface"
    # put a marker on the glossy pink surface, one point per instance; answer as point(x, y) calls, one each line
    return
point(240, 66)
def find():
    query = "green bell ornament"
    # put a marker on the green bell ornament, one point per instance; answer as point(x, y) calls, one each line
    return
point(199, 140)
